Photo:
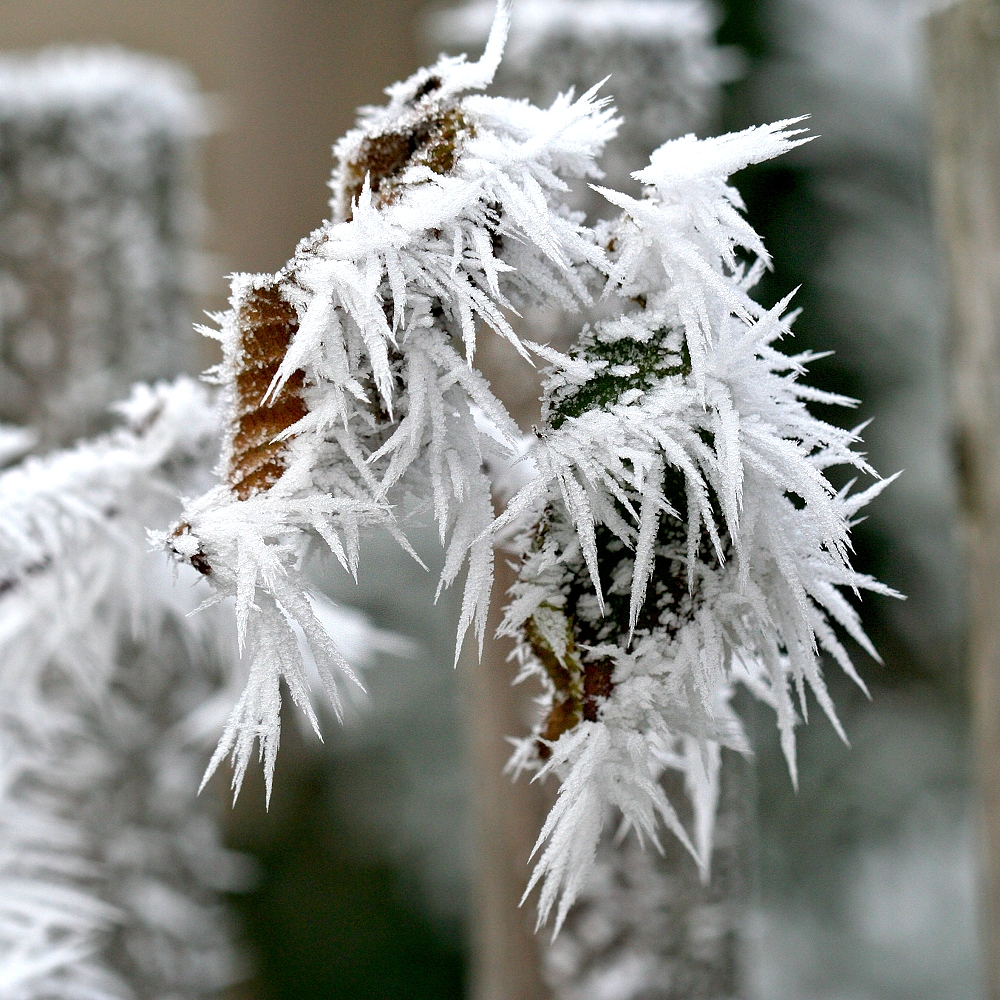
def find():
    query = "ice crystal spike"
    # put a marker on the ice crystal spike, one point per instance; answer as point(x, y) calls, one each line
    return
point(423, 126)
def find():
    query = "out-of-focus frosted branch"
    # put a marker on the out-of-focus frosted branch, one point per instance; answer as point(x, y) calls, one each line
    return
point(109, 874)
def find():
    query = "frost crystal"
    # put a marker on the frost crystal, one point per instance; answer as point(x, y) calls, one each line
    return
point(661, 55)
point(349, 372)
point(645, 926)
point(679, 535)
point(683, 534)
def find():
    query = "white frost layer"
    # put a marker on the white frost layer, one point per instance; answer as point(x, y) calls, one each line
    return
point(536, 21)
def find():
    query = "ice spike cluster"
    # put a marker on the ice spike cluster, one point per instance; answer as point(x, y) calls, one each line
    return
point(682, 534)
point(679, 535)
point(666, 69)
point(448, 211)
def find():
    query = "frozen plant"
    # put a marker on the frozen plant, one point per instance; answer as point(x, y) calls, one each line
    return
point(349, 373)
point(679, 534)
point(682, 532)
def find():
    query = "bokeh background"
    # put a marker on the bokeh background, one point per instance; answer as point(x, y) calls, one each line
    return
point(865, 879)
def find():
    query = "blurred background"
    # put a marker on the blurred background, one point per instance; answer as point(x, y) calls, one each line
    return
point(865, 881)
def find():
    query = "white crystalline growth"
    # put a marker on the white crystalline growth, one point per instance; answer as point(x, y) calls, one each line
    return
point(683, 534)
point(109, 867)
point(51, 917)
point(449, 209)
point(98, 217)
point(664, 65)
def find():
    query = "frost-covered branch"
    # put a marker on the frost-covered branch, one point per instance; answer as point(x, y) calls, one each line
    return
point(679, 534)
point(61, 513)
point(682, 532)
point(110, 870)
point(349, 373)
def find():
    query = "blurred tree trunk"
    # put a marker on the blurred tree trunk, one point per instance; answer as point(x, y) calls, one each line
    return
point(506, 816)
point(965, 78)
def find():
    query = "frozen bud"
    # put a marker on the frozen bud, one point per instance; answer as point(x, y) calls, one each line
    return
point(427, 135)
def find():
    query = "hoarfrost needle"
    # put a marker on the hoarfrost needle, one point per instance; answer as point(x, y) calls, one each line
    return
point(350, 372)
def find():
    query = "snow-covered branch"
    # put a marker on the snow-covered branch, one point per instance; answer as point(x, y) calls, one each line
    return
point(680, 535)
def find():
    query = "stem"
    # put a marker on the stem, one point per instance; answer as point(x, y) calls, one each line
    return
point(965, 78)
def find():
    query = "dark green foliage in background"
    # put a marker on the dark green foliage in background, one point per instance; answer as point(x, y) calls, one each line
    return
point(326, 919)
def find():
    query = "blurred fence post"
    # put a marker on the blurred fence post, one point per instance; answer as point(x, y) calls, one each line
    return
point(99, 216)
point(964, 49)
point(506, 955)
